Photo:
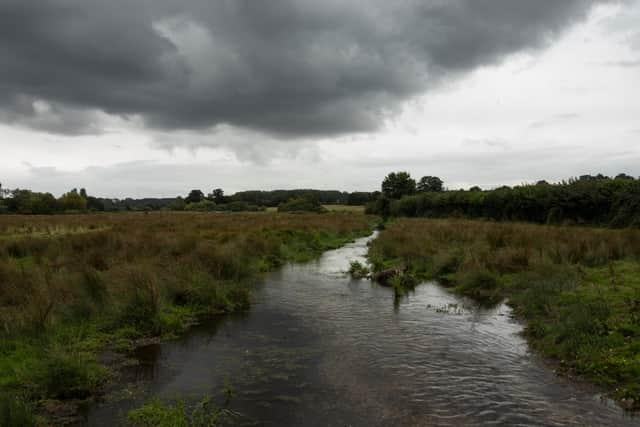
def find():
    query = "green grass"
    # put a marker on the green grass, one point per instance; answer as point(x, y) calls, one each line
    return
point(577, 289)
point(345, 208)
point(156, 413)
point(67, 295)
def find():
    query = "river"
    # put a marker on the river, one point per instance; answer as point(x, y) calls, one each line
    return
point(320, 349)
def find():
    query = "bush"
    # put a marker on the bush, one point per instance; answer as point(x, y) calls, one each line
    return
point(202, 206)
point(358, 270)
point(65, 375)
point(15, 411)
point(301, 204)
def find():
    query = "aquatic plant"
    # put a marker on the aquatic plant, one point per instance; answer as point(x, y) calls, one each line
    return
point(357, 270)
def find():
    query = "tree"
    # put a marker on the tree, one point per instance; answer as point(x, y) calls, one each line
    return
point(475, 189)
point(430, 184)
point(195, 196)
point(398, 184)
point(72, 201)
point(217, 195)
point(624, 176)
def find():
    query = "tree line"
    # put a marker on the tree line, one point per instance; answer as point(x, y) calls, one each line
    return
point(588, 199)
point(22, 201)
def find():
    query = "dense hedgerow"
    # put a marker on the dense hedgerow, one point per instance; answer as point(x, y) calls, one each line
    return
point(590, 200)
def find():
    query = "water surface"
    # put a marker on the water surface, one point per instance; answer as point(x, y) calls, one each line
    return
point(319, 349)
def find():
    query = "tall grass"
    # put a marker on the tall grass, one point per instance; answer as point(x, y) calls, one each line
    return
point(73, 284)
point(577, 288)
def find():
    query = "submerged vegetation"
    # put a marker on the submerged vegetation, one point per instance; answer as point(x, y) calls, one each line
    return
point(76, 284)
point(577, 288)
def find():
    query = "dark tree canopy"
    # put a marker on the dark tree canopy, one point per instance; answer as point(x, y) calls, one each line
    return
point(217, 195)
point(195, 196)
point(398, 184)
point(588, 200)
point(430, 184)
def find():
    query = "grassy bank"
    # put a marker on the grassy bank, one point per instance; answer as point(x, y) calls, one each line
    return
point(578, 289)
point(75, 285)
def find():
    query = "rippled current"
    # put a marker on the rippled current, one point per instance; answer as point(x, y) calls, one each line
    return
point(320, 349)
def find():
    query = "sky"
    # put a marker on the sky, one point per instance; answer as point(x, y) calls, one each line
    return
point(151, 98)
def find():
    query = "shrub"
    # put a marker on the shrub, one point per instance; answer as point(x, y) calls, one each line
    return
point(358, 270)
point(66, 375)
point(301, 204)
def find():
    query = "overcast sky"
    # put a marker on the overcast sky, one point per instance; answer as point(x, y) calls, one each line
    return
point(155, 97)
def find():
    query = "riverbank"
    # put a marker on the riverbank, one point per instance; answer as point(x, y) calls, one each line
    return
point(75, 285)
point(578, 289)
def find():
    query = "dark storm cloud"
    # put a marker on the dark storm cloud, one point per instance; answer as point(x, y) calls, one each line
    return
point(288, 67)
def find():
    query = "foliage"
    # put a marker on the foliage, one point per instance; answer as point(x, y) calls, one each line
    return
point(156, 413)
point(195, 196)
point(72, 201)
point(202, 206)
point(357, 270)
point(398, 184)
point(577, 288)
point(302, 204)
point(15, 411)
point(217, 196)
point(430, 184)
point(588, 200)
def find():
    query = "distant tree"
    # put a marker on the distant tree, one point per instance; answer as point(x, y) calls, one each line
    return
point(359, 198)
point(95, 204)
point(398, 184)
point(83, 193)
point(72, 201)
point(217, 196)
point(178, 204)
point(302, 204)
point(475, 189)
point(430, 184)
point(542, 182)
point(195, 196)
point(624, 176)
point(203, 206)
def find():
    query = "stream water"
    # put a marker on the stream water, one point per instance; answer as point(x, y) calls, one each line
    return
point(320, 349)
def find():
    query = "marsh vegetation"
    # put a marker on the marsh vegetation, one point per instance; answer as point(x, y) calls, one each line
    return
point(578, 289)
point(74, 285)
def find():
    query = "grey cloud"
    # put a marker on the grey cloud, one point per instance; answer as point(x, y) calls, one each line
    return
point(287, 67)
point(624, 64)
point(555, 120)
point(495, 143)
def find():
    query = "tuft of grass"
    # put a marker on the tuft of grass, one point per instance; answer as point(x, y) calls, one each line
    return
point(357, 270)
point(156, 413)
point(16, 411)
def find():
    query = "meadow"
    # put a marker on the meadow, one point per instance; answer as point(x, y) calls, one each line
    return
point(577, 289)
point(73, 286)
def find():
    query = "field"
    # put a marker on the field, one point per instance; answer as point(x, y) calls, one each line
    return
point(75, 285)
point(577, 289)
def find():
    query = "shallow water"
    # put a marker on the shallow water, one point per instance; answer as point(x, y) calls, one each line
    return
point(319, 349)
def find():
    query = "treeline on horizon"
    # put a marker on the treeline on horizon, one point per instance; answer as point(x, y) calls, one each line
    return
point(28, 202)
point(586, 200)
